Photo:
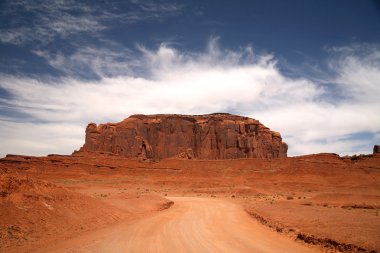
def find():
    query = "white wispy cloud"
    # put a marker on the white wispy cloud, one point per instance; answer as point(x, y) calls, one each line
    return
point(326, 125)
point(151, 10)
point(39, 138)
point(358, 67)
point(170, 81)
point(92, 61)
point(47, 20)
point(43, 21)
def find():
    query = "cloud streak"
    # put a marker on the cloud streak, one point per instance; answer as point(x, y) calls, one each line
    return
point(166, 80)
point(43, 21)
point(47, 20)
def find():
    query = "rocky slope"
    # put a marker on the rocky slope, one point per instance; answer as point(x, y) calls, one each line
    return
point(212, 136)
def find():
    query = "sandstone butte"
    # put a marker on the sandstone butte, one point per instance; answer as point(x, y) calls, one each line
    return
point(211, 136)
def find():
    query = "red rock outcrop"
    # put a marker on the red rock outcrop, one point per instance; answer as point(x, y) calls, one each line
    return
point(376, 149)
point(212, 136)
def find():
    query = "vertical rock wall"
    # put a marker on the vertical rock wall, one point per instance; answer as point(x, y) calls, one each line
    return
point(213, 136)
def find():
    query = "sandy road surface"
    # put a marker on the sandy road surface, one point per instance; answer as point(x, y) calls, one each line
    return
point(190, 225)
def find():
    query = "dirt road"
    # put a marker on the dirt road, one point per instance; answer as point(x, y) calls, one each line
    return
point(190, 225)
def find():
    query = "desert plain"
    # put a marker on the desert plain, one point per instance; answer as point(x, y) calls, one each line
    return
point(98, 201)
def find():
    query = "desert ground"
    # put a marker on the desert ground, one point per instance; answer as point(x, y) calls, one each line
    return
point(99, 202)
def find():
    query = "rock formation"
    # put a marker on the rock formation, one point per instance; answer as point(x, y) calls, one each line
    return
point(212, 136)
point(376, 149)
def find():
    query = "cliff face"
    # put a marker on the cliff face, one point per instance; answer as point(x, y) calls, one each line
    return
point(376, 149)
point(213, 136)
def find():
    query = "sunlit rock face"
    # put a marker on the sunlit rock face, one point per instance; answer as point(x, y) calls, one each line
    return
point(211, 136)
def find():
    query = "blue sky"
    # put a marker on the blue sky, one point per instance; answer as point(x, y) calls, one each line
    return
point(308, 69)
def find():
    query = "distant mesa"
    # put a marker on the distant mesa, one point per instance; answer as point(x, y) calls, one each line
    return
point(376, 149)
point(211, 136)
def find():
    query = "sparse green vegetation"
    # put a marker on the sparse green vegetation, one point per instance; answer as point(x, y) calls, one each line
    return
point(13, 231)
point(101, 195)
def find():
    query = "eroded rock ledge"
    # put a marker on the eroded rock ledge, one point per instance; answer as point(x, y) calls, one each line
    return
point(211, 136)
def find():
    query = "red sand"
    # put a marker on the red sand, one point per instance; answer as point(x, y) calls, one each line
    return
point(318, 203)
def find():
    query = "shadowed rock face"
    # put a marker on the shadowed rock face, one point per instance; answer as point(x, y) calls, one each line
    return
point(376, 149)
point(212, 136)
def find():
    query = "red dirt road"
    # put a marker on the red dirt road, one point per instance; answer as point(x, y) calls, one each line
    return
point(190, 225)
point(104, 203)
